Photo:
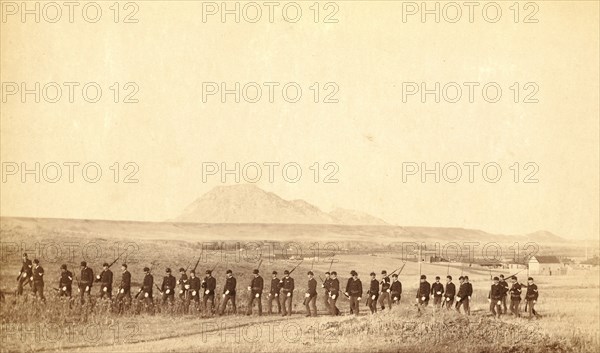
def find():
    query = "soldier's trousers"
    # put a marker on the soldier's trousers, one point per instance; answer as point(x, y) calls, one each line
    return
point(83, 293)
point(38, 290)
point(515, 305)
point(65, 293)
point(287, 304)
point(251, 303)
point(226, 299)
point(333, 309)
point(326, 299)
point(396, 297)
point(168, 297)
point(274, 297)
point(372, 302)
point(448, 303)
point(211, 298)
point(465, 304)
point(354, 305)
point(107, 293)
point(437, 301)
point(496, 307)
point(383, 298)
point(503, 301)
point(423, 303)
point(310, 304)
point(530, 307)
point(20, 285)
point(123, 299)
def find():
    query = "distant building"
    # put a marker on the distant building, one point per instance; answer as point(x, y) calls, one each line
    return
point(545, 265)
point(514, 266)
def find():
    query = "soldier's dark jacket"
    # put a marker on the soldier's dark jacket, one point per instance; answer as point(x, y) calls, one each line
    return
point(326, 284)
point(437, 288)
point(312, 287)
point(450, 290)
point(505, 285)
point(126, 280)
point(334, 287)
point(148, 283)
point(257, 285)
point(354, 288)
point(275, 286)
point(38, 274)
point(183, 280)
point(385, 284)
point(462, 291)
point(515, 291)
point(168, 283)
point(230, 284)
point(26, 267)
point(210, 284)
point(106, 278)
point(374, 287)
point(424, 289)
point(87, 277)
point(66, 279)
point(396, 288)
point(497, 291)
point(287, 285)
point(532, 292)
point(469, 289)
point(195, 284)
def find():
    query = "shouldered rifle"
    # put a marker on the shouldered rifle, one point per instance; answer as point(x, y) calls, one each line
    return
point(259, 262)
point(295, 267)
point(115, 260)
point(196, 265)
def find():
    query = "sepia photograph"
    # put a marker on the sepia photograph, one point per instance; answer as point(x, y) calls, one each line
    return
point(300, 176)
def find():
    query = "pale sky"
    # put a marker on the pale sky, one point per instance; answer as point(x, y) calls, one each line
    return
point(369, 133)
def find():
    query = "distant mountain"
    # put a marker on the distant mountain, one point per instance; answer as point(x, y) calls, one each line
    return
point(248, 203)
point(543, 236)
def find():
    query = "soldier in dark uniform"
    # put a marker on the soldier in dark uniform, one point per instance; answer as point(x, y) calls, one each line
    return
point(354, 292)
point(325, 285)
point(255, 288)
point(24, 274)
point(106, 279)
point(334, 293)
point(504, 284)
point(373, 293)
point(437, 291)
point(497, 291)
point(168, 287)
point(385, 291)
point(449, 293)
point(194, 288)
point(274, 293)
point(423, 292)
point(396, 289)
point(469, 289)
point(515, 296)
point(463, 297)
point(124, 295)
point(229, 292)
point(209, 285)
point(310, 297)
point(65, 282)
point(86, 281)
point(287, 291)
point(531, 296)
point(183, 284)
point(37, 278)
point(147, 287)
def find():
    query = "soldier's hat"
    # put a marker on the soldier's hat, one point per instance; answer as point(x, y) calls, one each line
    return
point(373, 274)
point(310, 273)
point(229, 271)
point(437, 277)
point(334, 273)
point(384, 272)
point(105, 264)
point(423, 277)
point(192, 271)
point(466, 277)
point(208, 272)
point(63, 267)
point(449, 277)
point(395, 275)
point(286, 272)
point(24, 254)
point(353, 273)
point(501, 276)
point(124, 265)
point(530, 279)
point(36, 261)
point(461, 277)
point(146, 269)
point(168, 270)
point(327, 273)
point(496, 279)
point(255, 271)
point(181, 269)
point(513, 277)
point(83, 263)
point(274, 272)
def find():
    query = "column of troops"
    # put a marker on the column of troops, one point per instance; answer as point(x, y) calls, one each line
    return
point(384, 292)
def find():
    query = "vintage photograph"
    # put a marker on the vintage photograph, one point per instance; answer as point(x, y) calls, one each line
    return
point(300, 176)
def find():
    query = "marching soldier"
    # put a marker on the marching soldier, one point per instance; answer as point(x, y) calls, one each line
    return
point(531, 296)
point(274, 293)
point(24, 274)
point(469, 292)
point(183, 283)
point(354, 292)
point(334, 293)
point(124, 295)
point(310, 297)
point(168, 287)
point(105, 278)
point(515, 297)
point(449, 293)
point(194, 288)
point(209, 284)
point(229, 292)
point(373, 293)
point(423, 292)
point(385, 291)
point(497, 291)
point(256, 288)
point(465, 290)
point(437, 291)
point(85, 283)
point(504, 284)
point(147, 287)
point(37, 278)
point(396, 289)
point(325, 285)
point(65, 282)
point(287, 291)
